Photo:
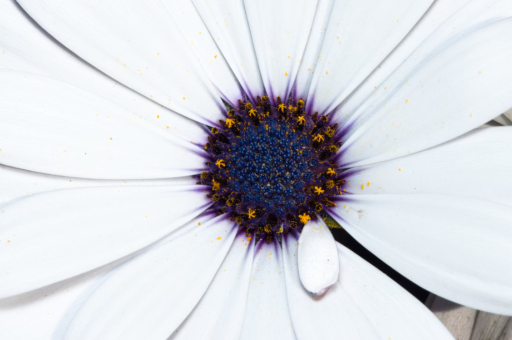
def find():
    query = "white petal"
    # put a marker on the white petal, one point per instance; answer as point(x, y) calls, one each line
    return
point(363, 304)
point(26, 47)
point(440, 92)
point(43, 314)
point(359, 36)
point(318, 258)
point(53, 127)
point(280, 31)
point(473, 165)
point(220, 313)
point(16, 183)
point(312, 51)
point(436, 15)
point(158, 288)
point(205, 49)
point(331, 316)
point(454, 246)
point(56, 235)
point(393, 311)
point(50, 309)
point(138, 44)
point(227, 22)
point(267, 315)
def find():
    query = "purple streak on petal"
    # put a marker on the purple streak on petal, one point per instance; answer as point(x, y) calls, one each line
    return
point(337, 157)
point(201, 188)
point(200, 152)
point(349, 172)
point(330, 117)
point(206, 130)
point(339, 136)
point(271, 96)
point(208, 158)
point(343, 130)
point(249, 94)
point(277, 245)
point(223, 95)
point(338, 218)
point(212, 123)
point(293, 92)
point(207, 213)
point(292, 233)
point(341, 198)
point(198, 171)
point(240, 232)
point(224, 217)
point(309, 105)
point(259, 245)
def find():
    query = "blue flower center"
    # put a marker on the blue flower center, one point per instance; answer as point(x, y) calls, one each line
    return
point(272, 166)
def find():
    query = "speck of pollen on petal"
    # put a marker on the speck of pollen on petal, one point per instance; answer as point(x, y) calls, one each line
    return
point(272, 167)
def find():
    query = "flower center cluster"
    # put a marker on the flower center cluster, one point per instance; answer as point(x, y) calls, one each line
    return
point(271, 166)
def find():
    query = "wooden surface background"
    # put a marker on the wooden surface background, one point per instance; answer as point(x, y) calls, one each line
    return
point(469, 324)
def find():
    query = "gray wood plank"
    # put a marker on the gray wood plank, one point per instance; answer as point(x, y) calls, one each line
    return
point(469, 324)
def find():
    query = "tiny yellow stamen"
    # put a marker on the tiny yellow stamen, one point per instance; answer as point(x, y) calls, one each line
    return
point(318, 138)
point(215, 130)
point(331, 172)
point(252, 112)
point(318, 190)
point(328, 203)
point(304, 218)
point(301, 120)
point(292, 108)
point(329, 132)
point(281, 108)
point(216, 185)
point(220, 163)
point(300, 103)
point(252, 213)
point(230, 122)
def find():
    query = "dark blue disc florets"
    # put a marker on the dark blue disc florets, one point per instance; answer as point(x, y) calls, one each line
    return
point(271, 166)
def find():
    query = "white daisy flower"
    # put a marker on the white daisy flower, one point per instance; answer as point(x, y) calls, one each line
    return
point(282, 112)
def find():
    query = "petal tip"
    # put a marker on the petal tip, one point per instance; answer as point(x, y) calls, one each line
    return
point(317, 258)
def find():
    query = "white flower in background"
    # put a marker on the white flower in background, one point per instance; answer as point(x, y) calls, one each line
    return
point(101, 152)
